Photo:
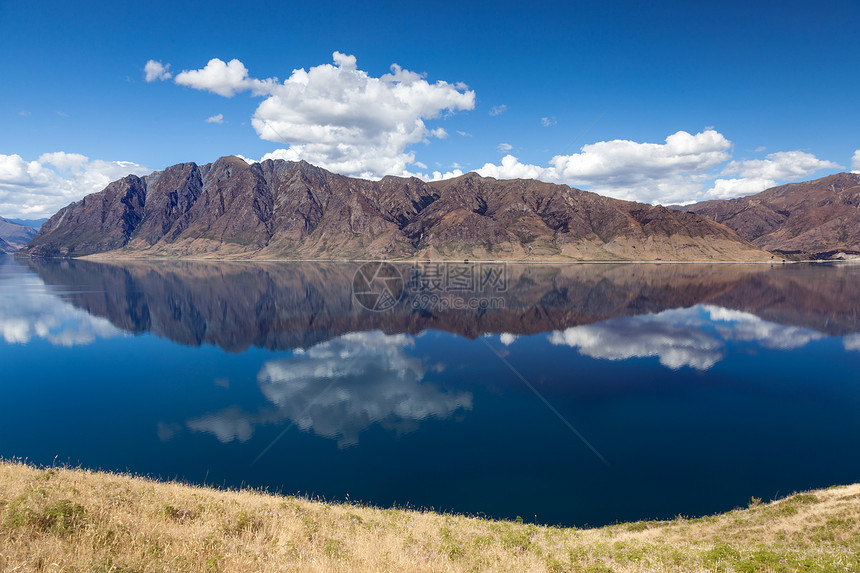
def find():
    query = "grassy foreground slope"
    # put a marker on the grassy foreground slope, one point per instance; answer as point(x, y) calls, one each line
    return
point(75, 520)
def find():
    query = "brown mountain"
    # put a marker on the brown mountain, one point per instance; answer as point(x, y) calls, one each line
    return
point(814, 219)
point(288, 210)
point(14, 236)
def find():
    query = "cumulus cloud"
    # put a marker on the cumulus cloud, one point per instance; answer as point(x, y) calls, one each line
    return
point(338, 116)
point(756, 175)
point(692, 337)
point(511, 168)
point(338, 388)
point(504, 147)
point(224, 78)
point(216, 118)
point(783, 165)
point(855, 162)
point(32, 189)
point(498, 110)
point(676, 171)
point(738, 187)
point(156, 71)
point(650, 172)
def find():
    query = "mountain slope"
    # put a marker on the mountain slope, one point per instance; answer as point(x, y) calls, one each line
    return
point(13, 235)
point(6, 248)
point(288, 210)
point(811, 219)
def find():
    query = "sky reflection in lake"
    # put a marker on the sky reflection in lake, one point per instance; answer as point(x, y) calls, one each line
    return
point(700, 385)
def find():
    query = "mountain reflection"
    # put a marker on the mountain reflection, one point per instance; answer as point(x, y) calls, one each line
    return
point(338, 388)
point(281, 306)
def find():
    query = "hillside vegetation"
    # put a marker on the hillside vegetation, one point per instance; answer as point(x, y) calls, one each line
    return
point(77, 520)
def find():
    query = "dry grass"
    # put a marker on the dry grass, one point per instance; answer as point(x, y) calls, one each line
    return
point(75, 520)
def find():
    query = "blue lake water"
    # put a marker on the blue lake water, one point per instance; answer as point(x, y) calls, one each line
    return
point(569, 394)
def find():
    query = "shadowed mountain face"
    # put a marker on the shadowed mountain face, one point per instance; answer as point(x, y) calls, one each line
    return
point(287, 210)
point(814, 219)
point(289, 305)
point(14, 236)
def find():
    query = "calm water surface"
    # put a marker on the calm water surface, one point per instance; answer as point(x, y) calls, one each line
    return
point(576, 394)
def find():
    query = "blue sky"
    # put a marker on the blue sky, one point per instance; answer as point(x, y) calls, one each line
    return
point(749, 94)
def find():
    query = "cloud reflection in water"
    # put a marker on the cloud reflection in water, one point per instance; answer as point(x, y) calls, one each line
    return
point(29, 309)
point(339, 388)
point(694, 337)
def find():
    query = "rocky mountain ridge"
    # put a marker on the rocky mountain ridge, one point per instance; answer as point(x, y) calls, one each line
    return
point(293, 210)
point(817, 219)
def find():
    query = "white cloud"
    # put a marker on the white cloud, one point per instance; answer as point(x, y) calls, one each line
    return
point(676, 171)
point(464, 134)
point(759, 149)
point(511, 168)
point(729, 188)
point(225, 79)
point(156, 71)
point(783, 165)
point(756, 175)
point(855, 162)
point(504, 147)
point(498, 110)
point(216, 118)
point(548, 121)
point(650, 172)
point(337, 116)
point(32, 189)
point(439, 175)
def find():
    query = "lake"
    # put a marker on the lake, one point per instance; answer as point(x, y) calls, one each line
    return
point(579, 394)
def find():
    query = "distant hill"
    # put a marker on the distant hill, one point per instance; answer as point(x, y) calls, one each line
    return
point(6, 248)
point(34, 223)
point(293, 210)
point(14, 235)
point(813, 219)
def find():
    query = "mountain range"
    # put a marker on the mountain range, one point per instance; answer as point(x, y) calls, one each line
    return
point(293, 210)
point(14, 235)
point(815, 219)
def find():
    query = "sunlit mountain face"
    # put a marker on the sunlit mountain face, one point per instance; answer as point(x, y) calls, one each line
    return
point(577, 394)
